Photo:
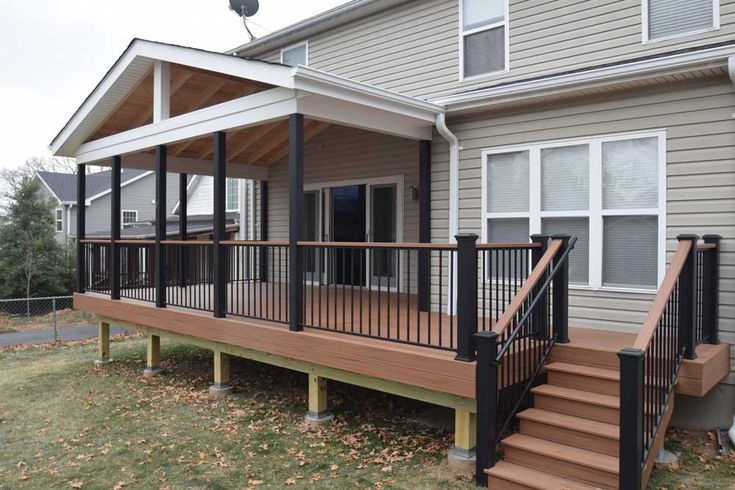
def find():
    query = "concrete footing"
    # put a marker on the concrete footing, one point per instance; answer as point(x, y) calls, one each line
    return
point(102, 361)
point(316, 420)
point(462, 459)
point(219, 391)
point(152, 371)
point(666, 459)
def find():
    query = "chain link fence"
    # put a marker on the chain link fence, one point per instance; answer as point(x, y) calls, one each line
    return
point(37, 314)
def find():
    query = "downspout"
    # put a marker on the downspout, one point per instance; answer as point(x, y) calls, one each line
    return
point(444, 131)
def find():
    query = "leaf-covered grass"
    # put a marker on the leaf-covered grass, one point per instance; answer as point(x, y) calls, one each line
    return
point(67, 424)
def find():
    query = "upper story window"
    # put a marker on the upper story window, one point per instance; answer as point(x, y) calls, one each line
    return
point(296, 55)
point(59, 220)
point(484, 37)
point(129, 218)
point(663, 19)
point(233, 195)
point(607, 191)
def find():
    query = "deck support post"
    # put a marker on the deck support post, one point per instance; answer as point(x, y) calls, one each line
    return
point(116, 216)
point(296, 220)
point(711, 291)
point(560, 296)
point(466, 296)
point(263, 251)
point(153, 356)
point(103, 344)
point(462, 455)
point(318, 416)
point(540, 315)
point(160, 250)
point(183, 227)
point(221, 387)
point(81, 227)
point(424, 272)
point(688, 299)
point(218, 235)
point(631, 418)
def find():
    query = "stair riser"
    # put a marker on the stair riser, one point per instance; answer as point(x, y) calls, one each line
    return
point(570, 437)
point(559, 467)
point(584, 383)
point(578, 409)
point(576, 355)
point(496, 483)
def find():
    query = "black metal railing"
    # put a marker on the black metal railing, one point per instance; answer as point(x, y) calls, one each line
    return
point(137, 270)
point(683, 315)
point(189, 274)
point(96, 266)
point(512, 355)
point(257, 282)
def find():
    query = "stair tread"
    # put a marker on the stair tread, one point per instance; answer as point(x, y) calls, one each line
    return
point(584, 370)
point(571, 422)
point(536, 479)
point(583, 457)
point(578, 395)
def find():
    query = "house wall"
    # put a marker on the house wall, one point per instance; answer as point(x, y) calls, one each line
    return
point(700, 176)
point(48, 196)
point(414, 48)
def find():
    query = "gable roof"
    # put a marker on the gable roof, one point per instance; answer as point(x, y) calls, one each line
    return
point(64, 186)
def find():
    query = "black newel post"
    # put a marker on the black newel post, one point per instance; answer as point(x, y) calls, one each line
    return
point(160, 251)
point(541, 312)
point(424, 223)
point(183, 226)
point(81, 227)
point(220, 261)
point(486, 392)
point(688, 299)
point(711, 292)
point(116, 215)
point(263, 251)
point(466, 296)
point(560, 296)
point(631, 418)
point(296, 220)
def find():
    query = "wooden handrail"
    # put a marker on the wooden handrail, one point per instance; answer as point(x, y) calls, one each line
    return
point(94, 242)
point(662, 298)
point(256, 243)
point(507, 246)
point(187, 242)
point(706, 246)
point(527, 289)
point(382, 245)
point(135, 242)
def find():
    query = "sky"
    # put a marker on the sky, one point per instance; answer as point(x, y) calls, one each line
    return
point(54, 52)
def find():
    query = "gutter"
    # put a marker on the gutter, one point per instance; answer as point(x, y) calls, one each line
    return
point(446, 133)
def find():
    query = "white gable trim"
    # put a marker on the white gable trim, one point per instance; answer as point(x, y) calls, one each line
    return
point(49, 188)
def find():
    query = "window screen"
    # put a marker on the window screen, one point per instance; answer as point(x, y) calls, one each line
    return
point(673, 17)
point(296, 55)
point(630, 251)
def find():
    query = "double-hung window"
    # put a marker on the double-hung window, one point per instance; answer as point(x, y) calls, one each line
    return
point(484, 37)
point(233, 195)
point(607, 191)
point(59, 215)
point(663, 19)
point(129, 218)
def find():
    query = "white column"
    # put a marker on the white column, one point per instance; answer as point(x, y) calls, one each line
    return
point(161, 91)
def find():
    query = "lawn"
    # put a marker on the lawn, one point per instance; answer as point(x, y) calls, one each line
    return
point(67, 424)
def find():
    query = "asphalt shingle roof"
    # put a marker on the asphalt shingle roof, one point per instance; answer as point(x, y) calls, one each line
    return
point(65, 185)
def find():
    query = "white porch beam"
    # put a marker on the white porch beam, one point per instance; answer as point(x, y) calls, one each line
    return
point(161, 91)
point(193, 166)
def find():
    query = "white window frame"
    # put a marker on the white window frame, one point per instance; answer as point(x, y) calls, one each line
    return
point(297, 45)
point(595, 213)
point(463, 34)
point(59, 221)
point(122, 216)
point(646, 25)
point(227, 195)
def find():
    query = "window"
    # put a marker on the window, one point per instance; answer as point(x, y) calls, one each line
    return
point(663, 19)
point(59, 220)
point(129, 218)
point(607, 191)
point(233, 195)
point(484, 37)
point(296, 55)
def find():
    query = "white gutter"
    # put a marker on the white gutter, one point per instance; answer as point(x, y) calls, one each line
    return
point(441, 126)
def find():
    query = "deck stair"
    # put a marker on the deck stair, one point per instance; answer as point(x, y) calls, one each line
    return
point(570, 438)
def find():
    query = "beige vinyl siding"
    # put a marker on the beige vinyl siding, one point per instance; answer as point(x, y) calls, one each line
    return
point(414, 48)
point(700, 176)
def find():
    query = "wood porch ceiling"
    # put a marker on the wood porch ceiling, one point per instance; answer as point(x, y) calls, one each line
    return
point(191, 89)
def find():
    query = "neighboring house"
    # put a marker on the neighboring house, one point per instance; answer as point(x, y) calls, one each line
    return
point(419, 121)
point(3, 221)
point(137, 198)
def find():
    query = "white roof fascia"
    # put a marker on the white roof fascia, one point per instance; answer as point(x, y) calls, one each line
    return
point(89, 200)
point(707, 58)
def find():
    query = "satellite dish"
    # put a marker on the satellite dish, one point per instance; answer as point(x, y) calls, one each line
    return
point(245, 8)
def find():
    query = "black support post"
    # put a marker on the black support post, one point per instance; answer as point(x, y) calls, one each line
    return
point(183, 229)
point(296, 220)
point(688, 299)
point(115, 217)
point(560, 296)
point(81, 227)
point(263, 251)
point(424, 272)
point(466, 296)
point(711, 291)
point(486, 392)
point(220, 204)
point(631, 418)
point(541, 312)
point(160, 251)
